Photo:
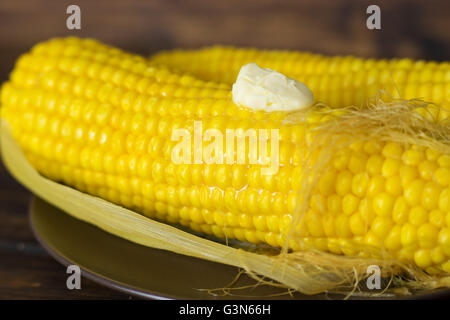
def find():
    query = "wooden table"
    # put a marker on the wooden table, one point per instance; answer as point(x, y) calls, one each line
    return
point(26, 270)
point(415, 28)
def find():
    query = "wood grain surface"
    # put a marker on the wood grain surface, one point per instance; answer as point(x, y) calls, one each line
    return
point(415, 28)
point(26, 270)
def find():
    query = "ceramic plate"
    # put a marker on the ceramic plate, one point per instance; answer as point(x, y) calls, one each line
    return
point(146, 272)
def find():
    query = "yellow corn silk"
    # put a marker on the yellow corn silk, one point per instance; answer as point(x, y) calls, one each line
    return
point(102, 121)
point(336, 81)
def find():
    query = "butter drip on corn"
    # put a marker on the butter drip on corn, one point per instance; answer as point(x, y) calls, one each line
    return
point(269, 90)
point(100, 120)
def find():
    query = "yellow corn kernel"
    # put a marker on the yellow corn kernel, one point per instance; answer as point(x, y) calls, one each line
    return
point(393, 239)
point(444, 240)
point(343, 182)
point(381, 226)
point(412, 157)
point(390, 167)
point(413, 192)
point(442, 176)
point(427, 235)
point(393, 186)
point(422, 258)
point(376, 186)
point(383, 204)
point(374, 164)
point(408, 235)
point(359, 184)
point(350, 203)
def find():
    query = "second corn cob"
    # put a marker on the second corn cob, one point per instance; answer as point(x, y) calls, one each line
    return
point(336, 81)
point(89, 117)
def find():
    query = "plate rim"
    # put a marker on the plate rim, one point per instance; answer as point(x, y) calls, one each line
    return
point(134, 291)
point(102, 280)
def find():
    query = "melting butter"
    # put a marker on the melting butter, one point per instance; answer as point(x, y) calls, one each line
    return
point(268, 90)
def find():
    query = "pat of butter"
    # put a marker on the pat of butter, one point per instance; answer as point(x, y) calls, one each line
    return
point(268, 90)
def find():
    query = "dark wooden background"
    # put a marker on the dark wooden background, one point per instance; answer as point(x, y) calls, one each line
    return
point(415, 28)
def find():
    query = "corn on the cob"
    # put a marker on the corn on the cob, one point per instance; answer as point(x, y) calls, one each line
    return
point(100, 120)
point(336, 81)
